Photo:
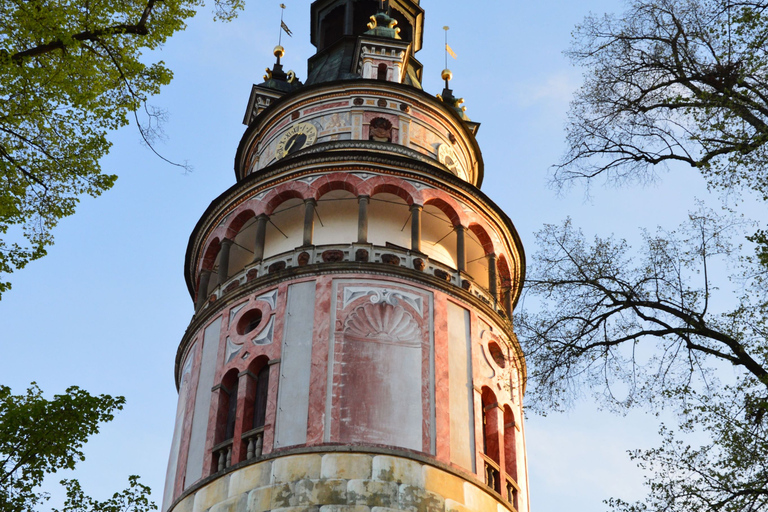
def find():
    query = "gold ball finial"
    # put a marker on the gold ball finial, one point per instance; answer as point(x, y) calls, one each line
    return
point(447, 75)
point(279, 51)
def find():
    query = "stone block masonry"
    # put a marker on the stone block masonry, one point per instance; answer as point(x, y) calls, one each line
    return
point(341, 482)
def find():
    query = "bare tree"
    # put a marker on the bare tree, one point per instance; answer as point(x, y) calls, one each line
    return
point(672, 81)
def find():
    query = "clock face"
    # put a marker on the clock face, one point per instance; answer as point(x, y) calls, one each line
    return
point(447, 157)
point(297, 137)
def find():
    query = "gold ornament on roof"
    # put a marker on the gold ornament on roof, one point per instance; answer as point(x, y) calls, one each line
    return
point(391, 24)
point(447, 74)
point(278, 52)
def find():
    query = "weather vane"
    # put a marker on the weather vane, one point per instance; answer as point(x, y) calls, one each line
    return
point(283, 27)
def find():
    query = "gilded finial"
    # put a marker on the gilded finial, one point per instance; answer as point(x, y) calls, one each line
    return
point(447, 75)
point(278, 52)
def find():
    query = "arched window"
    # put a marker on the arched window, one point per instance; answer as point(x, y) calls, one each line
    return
point(510, 456)
point(260, 402)
point(491, 448)
point(226, 418)
point(256, 408)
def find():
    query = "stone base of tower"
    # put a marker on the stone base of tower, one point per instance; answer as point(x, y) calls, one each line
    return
point(341, 482)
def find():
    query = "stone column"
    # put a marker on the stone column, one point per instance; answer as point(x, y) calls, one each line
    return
point(492, 280)
point(461, 251)
point(416, 227)
point(226, 244)
point(309, 221)
point(362, 219)
point(261, 236)
point(507, 296)
point(202, 288)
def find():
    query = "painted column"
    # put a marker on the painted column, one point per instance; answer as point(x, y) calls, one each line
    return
point(507, 292)
point(492, 280)
point(226, 244)
point(261, 235)
point(461, 251)
point(309, 221)
point(202, 288)
point(362, 219)
point(416, 227)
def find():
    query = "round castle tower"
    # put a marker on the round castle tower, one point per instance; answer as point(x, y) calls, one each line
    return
point(352, 347)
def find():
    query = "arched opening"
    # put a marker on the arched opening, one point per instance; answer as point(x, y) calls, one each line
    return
point(510, 459)
point(206, 285)
point(226, 417)
point(381, 73)
point(505, 285)
point(255, 413)
point(491, 448)
point(477, 244)
point(389, 220)
point(336, 218)
point(243, 238)
point(510, 456)
point(285, 229)
point(438, 236)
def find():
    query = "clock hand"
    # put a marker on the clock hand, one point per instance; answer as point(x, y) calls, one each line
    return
point(293, 141)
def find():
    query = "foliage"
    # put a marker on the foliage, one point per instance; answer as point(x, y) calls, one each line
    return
point(69, 73)
point(730, 475)
point(651, 331)
point(40, 436)
point(668, 82)
point(132, 499)
point(672, 81)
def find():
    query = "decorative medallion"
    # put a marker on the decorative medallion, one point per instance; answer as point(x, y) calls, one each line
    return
point(295, 138)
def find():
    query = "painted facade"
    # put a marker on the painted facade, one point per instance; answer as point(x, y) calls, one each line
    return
point(352, 346)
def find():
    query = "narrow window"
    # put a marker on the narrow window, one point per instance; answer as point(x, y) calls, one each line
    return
point(262, 390)
point(229, 431)
point(382, 73)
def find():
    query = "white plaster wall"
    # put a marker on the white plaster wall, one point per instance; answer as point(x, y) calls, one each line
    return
point(295, 366)
point(181, 410)
point(203, 403)
point(460, 396)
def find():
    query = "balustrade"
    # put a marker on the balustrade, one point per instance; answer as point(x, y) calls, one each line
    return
point(352, 253)
point(222, 454)
point(254, 440)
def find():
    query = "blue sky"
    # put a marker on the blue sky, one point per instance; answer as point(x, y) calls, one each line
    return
point(106, 308)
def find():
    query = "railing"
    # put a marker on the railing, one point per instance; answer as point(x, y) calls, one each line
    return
point(492, 474)
point(494, 478)
point(387, 255)
point(512, 491)
point(254, 439)
point(222, 453)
